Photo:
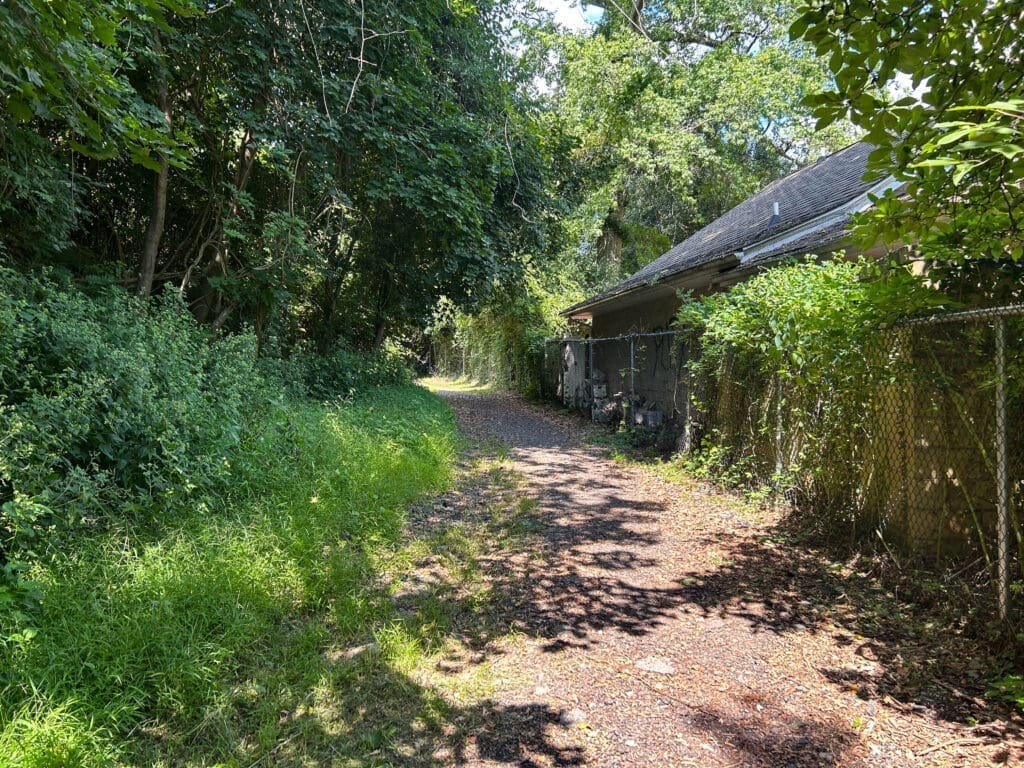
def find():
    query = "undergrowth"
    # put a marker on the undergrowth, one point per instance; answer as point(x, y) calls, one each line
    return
point(185, 646)
point(190, 535)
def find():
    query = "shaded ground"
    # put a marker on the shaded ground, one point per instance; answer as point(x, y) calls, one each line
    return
point(626, 621)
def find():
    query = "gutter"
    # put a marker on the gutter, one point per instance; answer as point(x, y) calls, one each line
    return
point(724, 263)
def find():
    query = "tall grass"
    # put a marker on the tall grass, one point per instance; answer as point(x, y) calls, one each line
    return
point(183, 645)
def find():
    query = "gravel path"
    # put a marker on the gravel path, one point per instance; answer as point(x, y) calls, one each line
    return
point(666, 625)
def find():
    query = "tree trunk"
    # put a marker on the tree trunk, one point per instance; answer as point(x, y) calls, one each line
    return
point(611, 242)
point(383, 299)
point(210, 300)
point(382, 329)
point(158, 211)
point(631, 10)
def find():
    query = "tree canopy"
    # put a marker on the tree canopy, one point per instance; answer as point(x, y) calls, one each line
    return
point(679, 112)
point(957, 141)
point(312, 169)
point(326, 172)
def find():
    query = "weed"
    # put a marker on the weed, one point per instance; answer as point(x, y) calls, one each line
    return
point(1008, 688)
point(184, 645)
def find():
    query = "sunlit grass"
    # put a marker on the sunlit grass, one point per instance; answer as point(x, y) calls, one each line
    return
point(220, 637)
point(456, 384)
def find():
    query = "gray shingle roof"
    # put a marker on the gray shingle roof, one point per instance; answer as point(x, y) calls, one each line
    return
point(803, 195)
point(833, 234)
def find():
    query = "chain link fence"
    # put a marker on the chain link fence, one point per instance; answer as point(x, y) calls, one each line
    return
point(509, 362)
point(638, 377)
point(920, 444)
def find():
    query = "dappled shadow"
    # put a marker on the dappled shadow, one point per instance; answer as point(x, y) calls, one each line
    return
point(909, 655)
point(592, 534)
point(374, 715)
point(369, 713)
point(771, 740)
point(593, 566)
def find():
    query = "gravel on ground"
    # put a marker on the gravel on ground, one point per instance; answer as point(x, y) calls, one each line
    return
point(655, 623)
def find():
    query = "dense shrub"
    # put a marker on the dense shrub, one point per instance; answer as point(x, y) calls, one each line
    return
point(808, 321)
point(788, 363)
point(115, 410)
point(170, 503)
point(340, 373)
point(109, 409)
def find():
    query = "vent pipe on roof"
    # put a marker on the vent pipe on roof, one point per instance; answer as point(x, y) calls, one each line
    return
point(774, 220)
point(775, 208)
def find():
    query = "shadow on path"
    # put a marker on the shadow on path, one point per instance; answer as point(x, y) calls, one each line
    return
point(600, 571)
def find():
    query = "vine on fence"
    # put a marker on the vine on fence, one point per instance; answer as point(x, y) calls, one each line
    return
point(783, 379)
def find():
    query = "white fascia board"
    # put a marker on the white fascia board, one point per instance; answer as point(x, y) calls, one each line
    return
point(823, 221)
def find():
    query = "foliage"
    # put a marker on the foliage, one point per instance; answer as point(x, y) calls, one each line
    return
point(185, 644)
point(956, 146)
point(785, 373)
point(338, 374)
point(67, 85)
point(109, 408)
point(679, 112)
point(319, 172)
point(62, 64)
point(808, 321)
point(502, 343)
point(116, 412)
point(1008, 688)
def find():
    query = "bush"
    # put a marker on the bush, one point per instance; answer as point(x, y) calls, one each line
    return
point(110, 409)
point(341, 373)
point(175, 631)
point(173, 507)
point(117, 411)
point(785, 373)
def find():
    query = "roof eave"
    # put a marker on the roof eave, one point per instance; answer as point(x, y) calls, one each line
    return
point(675, 281)
point(584, 309)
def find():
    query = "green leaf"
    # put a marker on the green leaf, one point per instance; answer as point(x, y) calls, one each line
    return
point(935, 162)
point(105, 30)
point(956, 135)
point(19, 110)
point(962, 170)
point(146, 160)
point(1008, 151)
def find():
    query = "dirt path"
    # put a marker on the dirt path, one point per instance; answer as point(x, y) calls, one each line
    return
point(654, 624)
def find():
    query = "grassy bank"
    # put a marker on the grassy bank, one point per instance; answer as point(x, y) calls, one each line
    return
point(223, 637)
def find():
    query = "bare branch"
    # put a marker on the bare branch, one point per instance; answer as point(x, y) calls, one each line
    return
point(511, 157)
point(319, 66)
point(634, 17)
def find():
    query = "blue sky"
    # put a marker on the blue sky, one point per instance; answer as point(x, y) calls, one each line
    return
point(572, 14)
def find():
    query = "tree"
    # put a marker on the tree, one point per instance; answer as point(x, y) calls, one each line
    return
point(320, 171)
point(67, 100)
point(680, 111)
point(958, 145)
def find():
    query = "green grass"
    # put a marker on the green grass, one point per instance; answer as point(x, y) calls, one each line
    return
point(220, 638)
point(455, 384)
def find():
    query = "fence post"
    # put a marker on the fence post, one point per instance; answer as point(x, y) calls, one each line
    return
point(778, 431)
point(1002, 489)
point(543, 372)
point(684, 362)
point(632, 366)
point(590, 373)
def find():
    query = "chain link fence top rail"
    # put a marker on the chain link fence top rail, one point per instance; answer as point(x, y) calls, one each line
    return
point(921, 443)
